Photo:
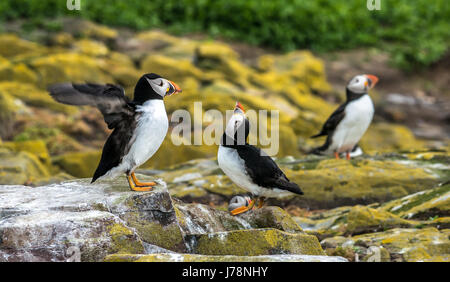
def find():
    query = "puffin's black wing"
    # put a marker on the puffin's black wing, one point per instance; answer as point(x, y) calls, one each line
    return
point(117, 111)
point(263, 170)
point(109, 99)
point(332, 122)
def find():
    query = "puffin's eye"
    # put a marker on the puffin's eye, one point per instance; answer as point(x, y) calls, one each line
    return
point(357, 81)
point(161, 84)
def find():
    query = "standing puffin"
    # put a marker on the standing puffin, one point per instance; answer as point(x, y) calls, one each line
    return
point(248, 166)
point(345, 127)
point(139, 126)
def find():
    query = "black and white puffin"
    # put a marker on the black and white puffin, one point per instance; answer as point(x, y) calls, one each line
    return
point(348, 123)
point(139, 126)
point(248, 166)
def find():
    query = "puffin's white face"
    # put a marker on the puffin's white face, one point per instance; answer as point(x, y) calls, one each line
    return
point(361, 84)
point(163, 86)
point(236, 120)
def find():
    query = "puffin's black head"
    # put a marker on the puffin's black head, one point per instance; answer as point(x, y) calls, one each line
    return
point(152, 86)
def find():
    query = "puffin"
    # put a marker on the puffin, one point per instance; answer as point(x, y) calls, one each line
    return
point(348, 123)
point(248, 166)
point(139, 126)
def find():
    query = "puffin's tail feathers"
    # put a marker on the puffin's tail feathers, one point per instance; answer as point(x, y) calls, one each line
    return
point(289, 186)
point(318, 135)
point(317, 151)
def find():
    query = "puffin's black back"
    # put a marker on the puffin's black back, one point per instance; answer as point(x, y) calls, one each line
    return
point(143, 91)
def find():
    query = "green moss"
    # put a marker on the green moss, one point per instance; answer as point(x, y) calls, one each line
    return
point(124, 240)
point(256, 242)
point(81, 164)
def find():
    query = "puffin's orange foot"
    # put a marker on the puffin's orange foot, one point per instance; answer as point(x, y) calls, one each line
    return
point(260, 202)
point(336, 155)
point(139, 188)
point(347, 156)
point(142, 184)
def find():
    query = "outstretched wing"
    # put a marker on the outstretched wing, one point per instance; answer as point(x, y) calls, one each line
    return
point(109, 99)
point(332, 122)
point(264, 171)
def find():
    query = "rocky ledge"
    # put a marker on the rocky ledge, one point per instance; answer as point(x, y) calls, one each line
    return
point(77, 221)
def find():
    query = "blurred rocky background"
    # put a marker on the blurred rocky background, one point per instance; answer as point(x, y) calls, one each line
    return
point(271, 55)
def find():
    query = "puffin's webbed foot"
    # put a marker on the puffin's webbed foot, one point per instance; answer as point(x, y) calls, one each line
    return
point(142, 184)
point(135, 185)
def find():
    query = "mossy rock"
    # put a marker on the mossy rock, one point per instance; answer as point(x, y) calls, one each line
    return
point(63, 67)
point(80, 164)
point(170, 68)
point(91, 48)
point(35, 147)
point(339, 182)
point(20, 168)
point(206, 258)
point(254, 242)
point(8, 110)
point(385, 137)
point(362, 219)
point(124, 240)
point(33, 96)
point(422, 205)
point(17, 72)
point(12, 46)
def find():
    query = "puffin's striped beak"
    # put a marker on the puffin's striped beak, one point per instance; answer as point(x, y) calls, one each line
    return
point(176, 88)
point(239, 108)
point(371, 81)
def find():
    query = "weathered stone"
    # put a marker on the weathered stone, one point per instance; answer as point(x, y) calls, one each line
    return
point(254, 242)
point(207, 258)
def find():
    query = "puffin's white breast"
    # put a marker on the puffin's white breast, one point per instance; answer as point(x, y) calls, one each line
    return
point(151, 129)
point(358, 116)
point(234, 167)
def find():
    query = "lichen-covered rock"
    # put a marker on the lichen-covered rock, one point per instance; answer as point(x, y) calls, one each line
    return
point(206, 258)
point(36, 147)
point(422, 205)
point(34, 96)
point(8, 111)
point(91, 48)
point(428, 244)
point(82, 164)
point(63, 67)
point(254, 242)
point(20, 167)
point(12, 46)
point(334, 183)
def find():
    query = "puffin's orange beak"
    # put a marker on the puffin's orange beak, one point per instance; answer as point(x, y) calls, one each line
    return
point(372, 80)
point(176, 87)
point(239, 106)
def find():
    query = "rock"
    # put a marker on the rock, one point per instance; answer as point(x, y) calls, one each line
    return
point(43, 223)
point(333, 183)
point(206, 258)
point(422, 205)
point(393, 137)
point(173, 69)
point(33, 96)
point(202, 219)
point(91, 48)
point(8, 110)
point(14, 46)
point(95, 220)
point(36, 147)
point(428, 244)
point(20, 168)
point(82, 164)
point(63, 67)
point(254, 242)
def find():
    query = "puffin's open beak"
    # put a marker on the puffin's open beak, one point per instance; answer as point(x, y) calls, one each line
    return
point(176, 88)
point(372, 80)
point(239, 108)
